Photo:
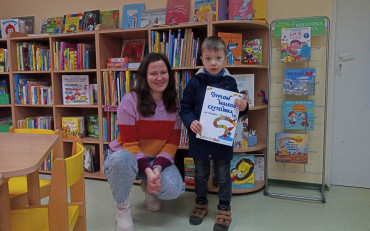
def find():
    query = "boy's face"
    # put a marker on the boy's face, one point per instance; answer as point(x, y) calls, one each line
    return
point(213, 60)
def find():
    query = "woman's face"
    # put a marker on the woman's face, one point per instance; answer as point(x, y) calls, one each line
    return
point(157, 78)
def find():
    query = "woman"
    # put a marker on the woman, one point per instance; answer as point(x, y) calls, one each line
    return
point(149, 134)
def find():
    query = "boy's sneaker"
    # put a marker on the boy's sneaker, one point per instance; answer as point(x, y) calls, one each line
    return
point(199, 212)
point(223, 218)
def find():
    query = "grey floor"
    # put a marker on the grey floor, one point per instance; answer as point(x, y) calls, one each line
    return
point(347, 208)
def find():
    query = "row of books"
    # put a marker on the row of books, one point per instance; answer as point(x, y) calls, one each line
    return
point(47, 164)
point(4, 62)
point(181, 46)
point(116, 84)
point(37, 122)
point(33, 56)
point(110, 126)
point(30, 90)
point(182, 79)
point(244, 171)
point(86, 21)
point(73, 56)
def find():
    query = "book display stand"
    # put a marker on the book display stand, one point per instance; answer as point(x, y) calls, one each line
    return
point(297, 109)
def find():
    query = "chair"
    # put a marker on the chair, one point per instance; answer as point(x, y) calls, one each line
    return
point(18, 185)
point(59, 214)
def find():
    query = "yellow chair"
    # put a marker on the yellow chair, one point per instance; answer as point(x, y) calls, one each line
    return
point(58, 214)
point(18, 185)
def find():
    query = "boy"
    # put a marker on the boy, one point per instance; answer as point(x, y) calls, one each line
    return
point(213, 74)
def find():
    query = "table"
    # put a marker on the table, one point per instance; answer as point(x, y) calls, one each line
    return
point(22, 154)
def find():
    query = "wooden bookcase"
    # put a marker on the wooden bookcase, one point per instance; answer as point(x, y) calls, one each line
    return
point(108, 43)
point(5, 109)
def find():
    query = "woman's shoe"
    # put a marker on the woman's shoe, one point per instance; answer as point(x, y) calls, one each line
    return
point(152, 202)
point(123, 217)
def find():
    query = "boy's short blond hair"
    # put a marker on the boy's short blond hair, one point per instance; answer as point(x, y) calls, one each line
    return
point(214, 43)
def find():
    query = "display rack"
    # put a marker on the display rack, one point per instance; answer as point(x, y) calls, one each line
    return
point(286, 175)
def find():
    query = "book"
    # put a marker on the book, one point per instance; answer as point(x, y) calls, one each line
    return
point(29, 22)
point(298, 114)
point(222, 10)
point(131, 15)
point(203, 10)
point(10, 25)
point(259, 167)
point(71, 127)
point(291, 148)
point(72, 23)
point(52, 25)
point(133, 50)
point(109, 18)
point(219, 116)
point(234, 44)
point(90, 20)
point(245, 84)
point(92, 126)
point(90, 158)
point(241, 133)
point(153, 17)
point(2, 60)
point(242, 171)
point(253, 10)
point(299, 81)
point(177, 12)
point(295, 44)
point(252, 51)
point(76, 89)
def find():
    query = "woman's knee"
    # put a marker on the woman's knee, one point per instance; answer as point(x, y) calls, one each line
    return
point(120, 162)
point(172, 185)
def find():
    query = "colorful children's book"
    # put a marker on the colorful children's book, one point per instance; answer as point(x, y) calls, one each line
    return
point(252, 51)
point(133, 50)
point(222, 10)
point(247, 10)
point(245, 83)
point(234, 45)
point(242, 171)
point(189, 171)
point(259, 167)
point(205, 9)
point(219, 116)
point(299, 81)
point(72, 23)
point(90, 20)
point(131, 15)
point(10, 25)
point(298, 114)
point(71, 127)
point(177, 12)
point(295, 44)
point(29, 21)
point(241, 133)
point(76, 89)
point(2, 60)
point(109, 18)
point(153, 17)
point(52, 25)
point(291, 148)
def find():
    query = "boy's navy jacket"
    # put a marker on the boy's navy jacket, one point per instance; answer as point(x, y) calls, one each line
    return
point(191, 108)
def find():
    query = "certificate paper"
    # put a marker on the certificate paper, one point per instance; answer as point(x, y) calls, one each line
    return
point(219, 116)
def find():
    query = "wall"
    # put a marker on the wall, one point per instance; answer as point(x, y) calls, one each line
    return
point(276, 9)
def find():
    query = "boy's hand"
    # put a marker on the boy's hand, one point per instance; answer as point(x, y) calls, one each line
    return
point(195, 126)
point(241, 104)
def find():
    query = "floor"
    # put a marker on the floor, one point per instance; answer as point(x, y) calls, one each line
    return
point(347, 208)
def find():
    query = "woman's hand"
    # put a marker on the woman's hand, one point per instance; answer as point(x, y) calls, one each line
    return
point(241, 104)
point(154, 180)
point(196, 127)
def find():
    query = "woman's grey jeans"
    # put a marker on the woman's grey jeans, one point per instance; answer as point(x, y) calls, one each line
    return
point(120, 168)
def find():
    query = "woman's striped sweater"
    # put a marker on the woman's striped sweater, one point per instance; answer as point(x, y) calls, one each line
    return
point(157, 136)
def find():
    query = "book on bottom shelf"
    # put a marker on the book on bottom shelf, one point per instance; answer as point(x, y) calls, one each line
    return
point(291, 148)
point(90, 158)
point(259, 167)
point(242, 171)
point(189, 170)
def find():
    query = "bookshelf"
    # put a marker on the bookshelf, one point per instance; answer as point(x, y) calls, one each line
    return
point(108, 44)
point(5, 108)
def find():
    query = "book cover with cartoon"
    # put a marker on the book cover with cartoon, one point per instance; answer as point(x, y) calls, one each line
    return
point(205, 9)
point(242, 171)
point(72, 23)
point(109, 18)
point(76, 89)
point(234, 45)
point(299, 81)
point(219, 116)
point(298, 114)
point(131, 15)
point(253, 10)
point(291, 148)
point(295, 44)
point(71, 127)
point(252, 51)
